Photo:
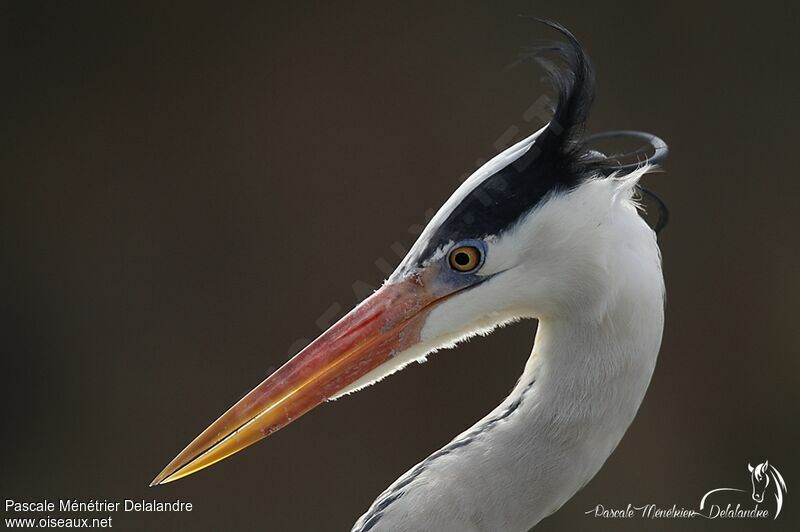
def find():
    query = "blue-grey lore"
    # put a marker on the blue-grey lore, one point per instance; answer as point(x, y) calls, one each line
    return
point(550, 229)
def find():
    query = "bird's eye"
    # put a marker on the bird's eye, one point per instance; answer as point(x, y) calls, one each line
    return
point(465, 258)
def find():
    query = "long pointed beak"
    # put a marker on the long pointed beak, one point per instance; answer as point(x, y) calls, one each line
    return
point(385, 324)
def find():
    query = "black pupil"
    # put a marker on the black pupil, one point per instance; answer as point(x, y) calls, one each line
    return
point(462, 258)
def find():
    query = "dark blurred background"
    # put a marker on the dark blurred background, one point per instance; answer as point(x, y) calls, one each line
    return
point(190, 192)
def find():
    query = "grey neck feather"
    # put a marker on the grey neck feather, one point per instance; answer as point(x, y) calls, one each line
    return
point(578, 394)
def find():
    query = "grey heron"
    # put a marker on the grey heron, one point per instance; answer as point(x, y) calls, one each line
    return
point(548, 229)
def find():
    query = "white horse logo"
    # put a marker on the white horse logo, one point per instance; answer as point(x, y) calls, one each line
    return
point(763, 477)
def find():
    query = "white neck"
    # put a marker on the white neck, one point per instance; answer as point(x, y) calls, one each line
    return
point(578, 394)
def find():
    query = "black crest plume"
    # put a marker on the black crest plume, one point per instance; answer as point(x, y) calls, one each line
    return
point(556, 161)
point(561, 143)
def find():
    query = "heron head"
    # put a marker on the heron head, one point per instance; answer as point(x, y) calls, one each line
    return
point(522, 237)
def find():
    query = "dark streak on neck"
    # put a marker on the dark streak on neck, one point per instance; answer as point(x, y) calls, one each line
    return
point(399, 489)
